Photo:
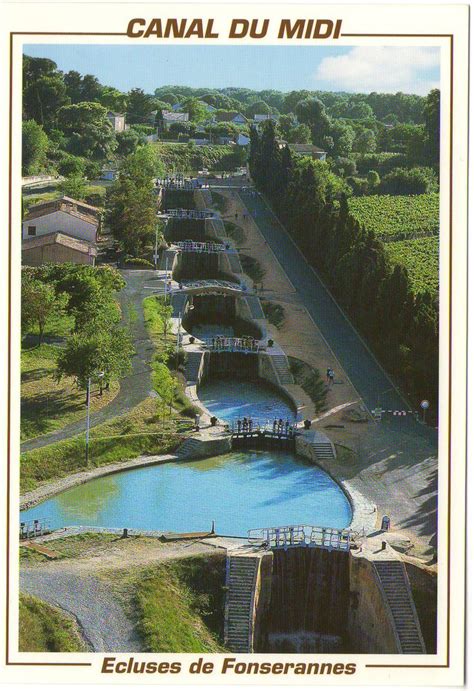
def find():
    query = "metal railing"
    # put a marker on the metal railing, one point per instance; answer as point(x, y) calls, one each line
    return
point(232, 344)
point(302, 536)
point(201, 247)
point(276, 427)
point(198, 214)
point(34, 528)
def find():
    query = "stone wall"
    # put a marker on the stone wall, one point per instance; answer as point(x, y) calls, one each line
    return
point(369, 624)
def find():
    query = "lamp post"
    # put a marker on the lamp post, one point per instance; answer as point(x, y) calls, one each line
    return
point(99, 375)
point(178, 340)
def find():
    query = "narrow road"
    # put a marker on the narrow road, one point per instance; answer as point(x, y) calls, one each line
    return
point(363, 369)
point(137, 385)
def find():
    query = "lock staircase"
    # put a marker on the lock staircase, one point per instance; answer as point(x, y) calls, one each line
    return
point(241, 577)
point(395, 586)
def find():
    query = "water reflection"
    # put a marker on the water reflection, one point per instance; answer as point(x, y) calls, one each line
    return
point(239, 491)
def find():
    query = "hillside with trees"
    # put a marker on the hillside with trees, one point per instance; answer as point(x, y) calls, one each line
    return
point(388, 289)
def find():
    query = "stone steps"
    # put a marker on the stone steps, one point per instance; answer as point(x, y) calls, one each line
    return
point(240, 582)
point(396, 588)
point(255, 307)
point(178, 303)
point(190, 447)
point(280, 363)
point(193, 364)
point(324, 450)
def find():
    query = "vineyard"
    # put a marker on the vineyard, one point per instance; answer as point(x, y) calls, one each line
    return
point(409, 228)
point(420, 258)
point(188, 157)
point(397, 217)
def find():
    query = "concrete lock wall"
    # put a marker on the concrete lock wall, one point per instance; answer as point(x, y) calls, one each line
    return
point(352, 608)
point(369, 627)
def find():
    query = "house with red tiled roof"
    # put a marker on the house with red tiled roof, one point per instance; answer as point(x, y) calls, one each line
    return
point(57, 248)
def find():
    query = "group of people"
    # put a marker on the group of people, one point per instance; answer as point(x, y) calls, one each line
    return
point(283, 427)
point(245, 343)
point(279, 427)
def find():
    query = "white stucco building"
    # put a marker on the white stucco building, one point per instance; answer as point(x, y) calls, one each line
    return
point(65, 215)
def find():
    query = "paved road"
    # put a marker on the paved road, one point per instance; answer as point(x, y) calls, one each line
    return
point(366, 374)
point(136, 386)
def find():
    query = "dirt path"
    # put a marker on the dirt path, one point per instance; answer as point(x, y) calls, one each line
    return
point(80, 587)
point(136, 386)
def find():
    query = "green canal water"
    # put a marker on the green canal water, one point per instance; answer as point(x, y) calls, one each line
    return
point(238, 490)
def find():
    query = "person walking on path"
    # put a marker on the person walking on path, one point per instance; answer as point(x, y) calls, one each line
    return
point(331, 377)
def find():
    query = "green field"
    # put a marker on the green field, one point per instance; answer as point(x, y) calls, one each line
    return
point(394, 218)
point(420, 258)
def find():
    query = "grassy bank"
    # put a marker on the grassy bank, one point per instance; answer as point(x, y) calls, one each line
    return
point(47, 405)
point(180, 605)
point(235, 232)
point(274, 312)
point(310, 381)
point(139, 432)
point(44, 628)
point(219, 202)
point(252, 267)
point(167, 367)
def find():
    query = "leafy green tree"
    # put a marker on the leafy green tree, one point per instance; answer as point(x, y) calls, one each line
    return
point(359, 110)
point(128, 141)
point(43, 98)
point(343, 137)
point(409, 181)
point(431, 114)
point(113, 99)
point(365, 142)
point(167, 97)
point(40, 304)
point(140, 106)
point(311, 112)
point(196, 109)
point(373, 178)
point(88, 128)
point(74, 166)
point(34, 148)
point(258, 107)
point(131, 202)
point(142, 166)
point(74, 186)
point(301, 134)
point(89, 354)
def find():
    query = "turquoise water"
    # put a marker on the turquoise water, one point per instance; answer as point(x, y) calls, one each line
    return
point(239, 491)
point(230, 400)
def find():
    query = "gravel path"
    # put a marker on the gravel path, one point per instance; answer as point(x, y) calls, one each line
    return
point(101, 619)
point(76, 585)
point(136, 386)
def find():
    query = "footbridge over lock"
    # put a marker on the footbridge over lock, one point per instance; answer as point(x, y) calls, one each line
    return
point(291, 536)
